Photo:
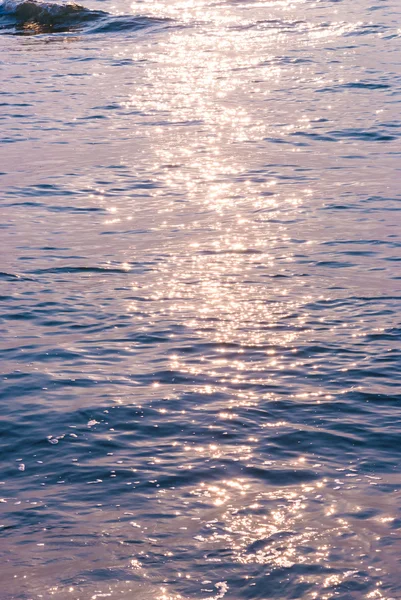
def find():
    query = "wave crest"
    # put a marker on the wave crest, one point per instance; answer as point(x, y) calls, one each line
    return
point(33, 16)
point(27, 10)
point(46, 16)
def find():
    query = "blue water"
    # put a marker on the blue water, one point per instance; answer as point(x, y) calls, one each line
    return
point(200, 300)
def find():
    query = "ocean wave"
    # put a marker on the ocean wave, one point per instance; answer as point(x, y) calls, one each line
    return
point(47, 13)
point(32, 17)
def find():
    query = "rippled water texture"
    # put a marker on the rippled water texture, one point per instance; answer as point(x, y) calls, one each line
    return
point(200, 300)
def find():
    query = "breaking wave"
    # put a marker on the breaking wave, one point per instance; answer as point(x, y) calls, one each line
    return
point(26, 17)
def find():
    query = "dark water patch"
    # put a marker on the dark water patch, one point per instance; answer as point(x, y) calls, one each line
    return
point(39, 190)
point(357, 86)
point(87, 270)
point(10, 276)
point(372, 135)
point(76, 209)
point(366, 29)
point(366, 85)
point(122, 24)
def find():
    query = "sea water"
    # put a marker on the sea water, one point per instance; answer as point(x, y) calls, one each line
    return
point(200, 300)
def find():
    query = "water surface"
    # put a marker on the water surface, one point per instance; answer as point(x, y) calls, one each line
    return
point(200, 297)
